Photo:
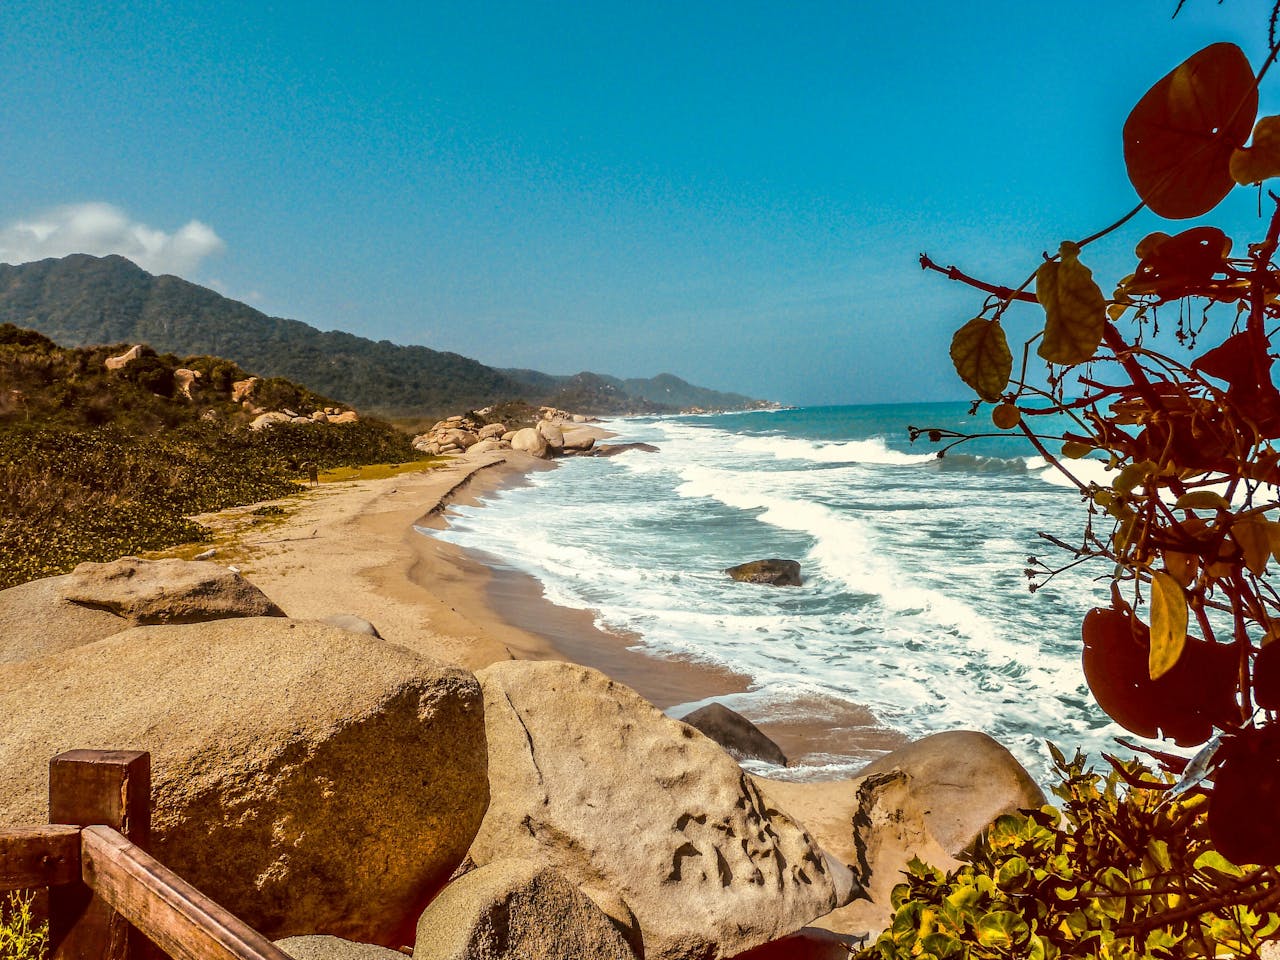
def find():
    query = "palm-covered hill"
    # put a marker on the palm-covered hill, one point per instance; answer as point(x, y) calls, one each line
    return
point(80, 300)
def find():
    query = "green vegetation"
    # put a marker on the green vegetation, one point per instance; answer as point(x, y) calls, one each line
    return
point(21, 936)
point(1187, 531)
point(82, 300)
point(1116, 871)
point(97, 464)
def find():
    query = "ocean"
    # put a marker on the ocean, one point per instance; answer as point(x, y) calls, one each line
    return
point(915, 603)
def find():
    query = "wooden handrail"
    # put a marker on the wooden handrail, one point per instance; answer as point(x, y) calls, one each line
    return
point(106, 893)
point(172, 913)
point(39, 856)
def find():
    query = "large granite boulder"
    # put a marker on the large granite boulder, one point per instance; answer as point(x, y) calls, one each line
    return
point(97, 600)
point(319, 947)
point(516, 910)
point(779, 573)
point(553, 434)
point(492, 431)
point(166, 591)
point(308, 778)
point(532, 442)
point(930, 799)
point(588, 777)
point(742, 738)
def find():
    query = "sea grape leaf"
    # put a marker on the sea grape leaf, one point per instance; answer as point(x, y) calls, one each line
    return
point(1202, 500)
point(1261, 159)
point(981, 356)
point(1181, 566)
point(1196, 695)
point(1253, 537)
point(1001, 929)
point(1168, 624)
point(1182, 265)
point(1179, 138)
point(1266, 676)
point(1246, 794)
point(1075, 309)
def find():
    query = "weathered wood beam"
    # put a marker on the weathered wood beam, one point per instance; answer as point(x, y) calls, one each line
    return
point(39, 856)
point(176, 916)
point(111, 787)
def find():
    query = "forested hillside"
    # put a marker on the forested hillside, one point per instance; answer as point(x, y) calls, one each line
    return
point(80, 301)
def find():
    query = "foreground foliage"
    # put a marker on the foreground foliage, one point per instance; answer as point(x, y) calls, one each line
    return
point(1115, 872)
point(22, 937)
point(1188, 529)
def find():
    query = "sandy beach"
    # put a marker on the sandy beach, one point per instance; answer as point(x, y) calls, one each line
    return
point(355, 547)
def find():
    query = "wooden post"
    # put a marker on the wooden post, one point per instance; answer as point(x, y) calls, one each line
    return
point(112, 788)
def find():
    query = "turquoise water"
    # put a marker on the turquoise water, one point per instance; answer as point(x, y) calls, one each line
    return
point(914, 604)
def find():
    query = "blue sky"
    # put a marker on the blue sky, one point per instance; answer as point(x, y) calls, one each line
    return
point(732, 192)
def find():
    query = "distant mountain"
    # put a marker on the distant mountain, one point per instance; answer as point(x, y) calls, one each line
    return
point(80, 300)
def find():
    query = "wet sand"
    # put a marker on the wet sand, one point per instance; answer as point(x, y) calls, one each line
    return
point(364, 548)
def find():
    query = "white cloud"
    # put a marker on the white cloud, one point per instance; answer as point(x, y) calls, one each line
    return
point(101, 229)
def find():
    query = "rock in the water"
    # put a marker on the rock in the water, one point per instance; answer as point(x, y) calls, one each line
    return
point(309, 779)
point(590, 778)
point(532, 442)
point(516, 910)
point(551, 433)
point(334, 948)
point(166, 591)
point(779, 573)
point(735, 733)
point(613, 449)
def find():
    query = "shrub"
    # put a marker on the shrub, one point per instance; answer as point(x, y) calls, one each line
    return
point(1123, 870)
point(21, 936)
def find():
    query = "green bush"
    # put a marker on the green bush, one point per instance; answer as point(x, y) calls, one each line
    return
point(1120, 871)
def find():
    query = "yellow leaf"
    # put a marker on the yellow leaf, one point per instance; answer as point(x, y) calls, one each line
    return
point(1273, 535)
point(981, 356)
point(1168, 624)
point(1132, 475)
point(1181, 566)
point(1074, 308)
point(1261, 159)
point(1074, 449)
point(1254, 539)
point(1202, 500)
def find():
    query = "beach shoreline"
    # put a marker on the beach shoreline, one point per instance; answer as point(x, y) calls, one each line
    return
point(365, 548)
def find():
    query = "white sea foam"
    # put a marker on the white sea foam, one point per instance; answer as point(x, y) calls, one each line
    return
point(914, 602)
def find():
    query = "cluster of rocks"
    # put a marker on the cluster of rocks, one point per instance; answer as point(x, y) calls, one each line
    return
point(341, 791)
point(242, 392)
point(463, 435)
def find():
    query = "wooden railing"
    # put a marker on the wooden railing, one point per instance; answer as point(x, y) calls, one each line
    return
point(108, 898)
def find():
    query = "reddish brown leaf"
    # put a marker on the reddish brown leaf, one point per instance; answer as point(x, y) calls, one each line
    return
point(1185, 265)
point(1184, 705)
point(1246, 794)
point(1179, 139)
point(1266, 677)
